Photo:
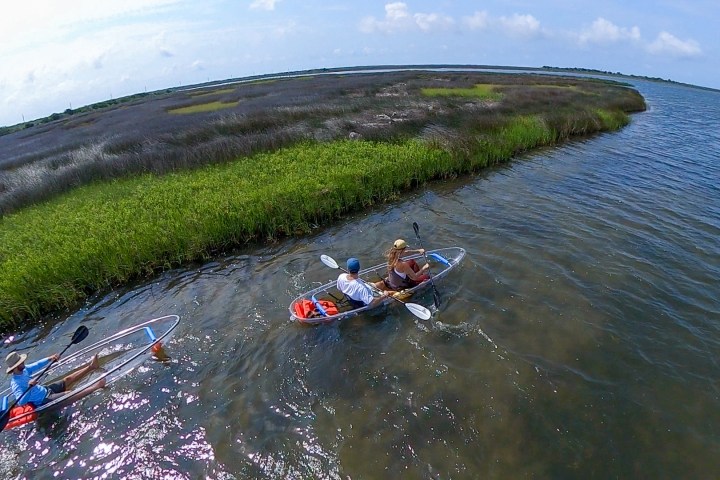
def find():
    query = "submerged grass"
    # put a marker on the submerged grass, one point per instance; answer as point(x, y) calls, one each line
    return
point(107, 233)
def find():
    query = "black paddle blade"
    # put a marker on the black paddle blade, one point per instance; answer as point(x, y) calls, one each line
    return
point(416, 228)
point(436, 297)
point(4, 419)
point(80, 334)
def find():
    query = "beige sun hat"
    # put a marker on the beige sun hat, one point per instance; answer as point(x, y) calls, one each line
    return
point(14, 359)
point(399, 244)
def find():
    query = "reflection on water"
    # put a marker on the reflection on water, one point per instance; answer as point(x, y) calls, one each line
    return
point(577, 340)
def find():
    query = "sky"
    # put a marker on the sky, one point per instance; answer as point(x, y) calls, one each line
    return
point(60, 54)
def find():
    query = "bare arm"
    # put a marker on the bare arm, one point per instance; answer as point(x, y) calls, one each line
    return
point(405, 268)
point(379, 299)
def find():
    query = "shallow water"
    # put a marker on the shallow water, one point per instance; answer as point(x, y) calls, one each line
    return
point(579, 339)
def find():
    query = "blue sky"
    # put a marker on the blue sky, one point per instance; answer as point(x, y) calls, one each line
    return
point(61, 54)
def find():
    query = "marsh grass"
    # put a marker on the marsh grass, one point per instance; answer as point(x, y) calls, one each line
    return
point(128, 205)
point(202, 107)
point(140, 136)
point(480, 91)
point(205, 93)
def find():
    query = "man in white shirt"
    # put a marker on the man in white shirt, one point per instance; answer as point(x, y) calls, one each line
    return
point(358, 292)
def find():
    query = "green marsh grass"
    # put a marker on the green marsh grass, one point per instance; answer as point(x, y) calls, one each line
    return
point(278, 113)
point(206, 93)
point(203, 107)
point(276, 165)
point(105, 234)
point(480, 91)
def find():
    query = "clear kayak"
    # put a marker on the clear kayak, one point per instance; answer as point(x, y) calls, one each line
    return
point(118, 355)
point(326, 304)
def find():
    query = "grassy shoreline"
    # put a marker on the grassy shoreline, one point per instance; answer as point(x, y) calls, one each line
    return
point(55, 253)
point(108, 233)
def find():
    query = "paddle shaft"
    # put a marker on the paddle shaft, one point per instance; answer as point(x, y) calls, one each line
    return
point(436, 294)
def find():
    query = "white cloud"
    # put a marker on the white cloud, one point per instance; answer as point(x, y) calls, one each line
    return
point(98, 62)
point(161, 44)
point(398, 18)
point(396, 11)
point(263, 4)
point(286, 28)
point(520, 25)
point(668, 44)
point(85, 68)
point(33, 22)
point(516, 25)
point(433, 21)
point(603, 31)
point(478, 21)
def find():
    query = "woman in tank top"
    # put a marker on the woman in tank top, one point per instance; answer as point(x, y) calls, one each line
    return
point(403, 274)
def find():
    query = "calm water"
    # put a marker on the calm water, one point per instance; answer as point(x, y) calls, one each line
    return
point(578, 340)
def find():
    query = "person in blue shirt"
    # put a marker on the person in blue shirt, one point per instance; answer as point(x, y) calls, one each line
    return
point(22, 379)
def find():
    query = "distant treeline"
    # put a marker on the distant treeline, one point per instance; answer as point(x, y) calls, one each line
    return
point(592, 71)
point(70, 111)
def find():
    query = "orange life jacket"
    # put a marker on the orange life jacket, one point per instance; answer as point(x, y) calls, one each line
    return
point(308, 309)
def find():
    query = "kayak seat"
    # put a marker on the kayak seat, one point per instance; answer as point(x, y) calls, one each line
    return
point(354, 303)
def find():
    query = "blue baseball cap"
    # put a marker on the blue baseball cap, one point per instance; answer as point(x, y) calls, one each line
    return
point(353, 265)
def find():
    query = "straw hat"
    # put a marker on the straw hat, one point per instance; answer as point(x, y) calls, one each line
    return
point(14, 359)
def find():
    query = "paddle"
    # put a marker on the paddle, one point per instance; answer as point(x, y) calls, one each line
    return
point(80, 334)
point(436, 294)
point(417, 310)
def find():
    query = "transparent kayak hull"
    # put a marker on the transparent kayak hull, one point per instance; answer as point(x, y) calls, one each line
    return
point(118, 355)
point(442, 262)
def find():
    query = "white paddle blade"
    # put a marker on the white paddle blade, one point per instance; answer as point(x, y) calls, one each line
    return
point(419, 311)
point(329, 261)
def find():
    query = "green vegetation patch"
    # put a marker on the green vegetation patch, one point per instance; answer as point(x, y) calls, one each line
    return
point(259, 174)
point(221, 91)
point(562, 87)
point(260, 82)
point(52, 255)
point(483, 91)
point(203, 107)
